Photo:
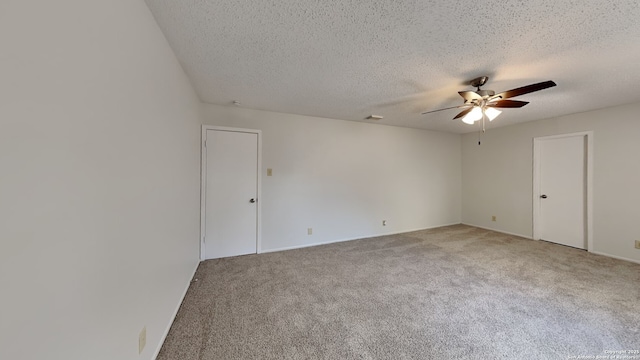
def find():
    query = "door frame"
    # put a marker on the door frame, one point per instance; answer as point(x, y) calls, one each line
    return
point(588, 179)
point(203, 185)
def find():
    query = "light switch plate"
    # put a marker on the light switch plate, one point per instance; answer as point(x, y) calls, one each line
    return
point(142, 339)
point(269, 172)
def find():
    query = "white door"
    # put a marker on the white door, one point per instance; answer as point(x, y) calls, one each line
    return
point(563, 190)
point(231, 211)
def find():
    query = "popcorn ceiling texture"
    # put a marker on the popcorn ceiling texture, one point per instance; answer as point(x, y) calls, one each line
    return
point(348, 59)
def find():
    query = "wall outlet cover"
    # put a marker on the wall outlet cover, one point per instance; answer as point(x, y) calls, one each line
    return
point(493, 218)
point(637, 244)
point(310, 231)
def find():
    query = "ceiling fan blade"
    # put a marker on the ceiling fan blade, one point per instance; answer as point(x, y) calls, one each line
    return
point(507, 104)
point(449, 108)
point(463, 113)
point(524, 90)
point(469, 96)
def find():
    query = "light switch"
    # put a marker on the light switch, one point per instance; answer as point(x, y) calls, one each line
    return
point(269, 172)
point(142, 339)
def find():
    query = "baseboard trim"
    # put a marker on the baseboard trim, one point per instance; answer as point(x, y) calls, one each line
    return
point(175, 313)
point(615, 257)
point(500, 231)
point(351, 239)
point(529, 237)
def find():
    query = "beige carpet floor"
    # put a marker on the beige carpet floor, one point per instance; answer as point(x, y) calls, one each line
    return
point(455, 292)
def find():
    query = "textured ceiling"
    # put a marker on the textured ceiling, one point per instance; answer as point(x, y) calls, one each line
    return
point(348, 59)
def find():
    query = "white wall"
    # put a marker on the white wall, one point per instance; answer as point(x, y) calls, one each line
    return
point(99, 180)
point(343, 178)
point(498, 176)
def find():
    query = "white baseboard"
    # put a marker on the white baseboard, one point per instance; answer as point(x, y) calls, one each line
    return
point(500, 231)
point(615, 257)
point(350, 239)
point(175, 313)
point(529, 237)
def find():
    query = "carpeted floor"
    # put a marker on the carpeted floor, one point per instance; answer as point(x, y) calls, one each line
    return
point(456, 292)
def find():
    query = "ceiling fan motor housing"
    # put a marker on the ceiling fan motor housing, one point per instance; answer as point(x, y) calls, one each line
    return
point(477, 82)
point(485, 93)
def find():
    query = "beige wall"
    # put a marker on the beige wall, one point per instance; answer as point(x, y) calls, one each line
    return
point(497, 177)
point(343, 178)
point(99, 180)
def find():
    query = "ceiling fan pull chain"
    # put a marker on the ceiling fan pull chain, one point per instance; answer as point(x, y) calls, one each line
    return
point(483, 116)
point(483, 130)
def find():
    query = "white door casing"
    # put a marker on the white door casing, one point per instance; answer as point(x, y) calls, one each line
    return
point(562, 189)
point(230, 212)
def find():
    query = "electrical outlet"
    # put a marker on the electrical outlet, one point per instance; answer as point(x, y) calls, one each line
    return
point(269, 172)
point(493, 218)
point(384, 222)
point(310, 231)
point(142, 339)
point(637, 244)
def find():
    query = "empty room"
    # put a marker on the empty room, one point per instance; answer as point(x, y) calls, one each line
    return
point(319, 180)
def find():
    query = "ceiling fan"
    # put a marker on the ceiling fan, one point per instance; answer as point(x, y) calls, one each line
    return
point(484, 103)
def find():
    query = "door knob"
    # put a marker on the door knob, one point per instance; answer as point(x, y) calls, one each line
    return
point(252, 201)
point(543, 196)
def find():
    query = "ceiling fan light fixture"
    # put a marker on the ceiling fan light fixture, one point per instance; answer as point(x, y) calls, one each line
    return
point(492, 113)
point(481, 103)
point(473, 116)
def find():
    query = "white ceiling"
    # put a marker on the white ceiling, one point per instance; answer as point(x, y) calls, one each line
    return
point(347, 59)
